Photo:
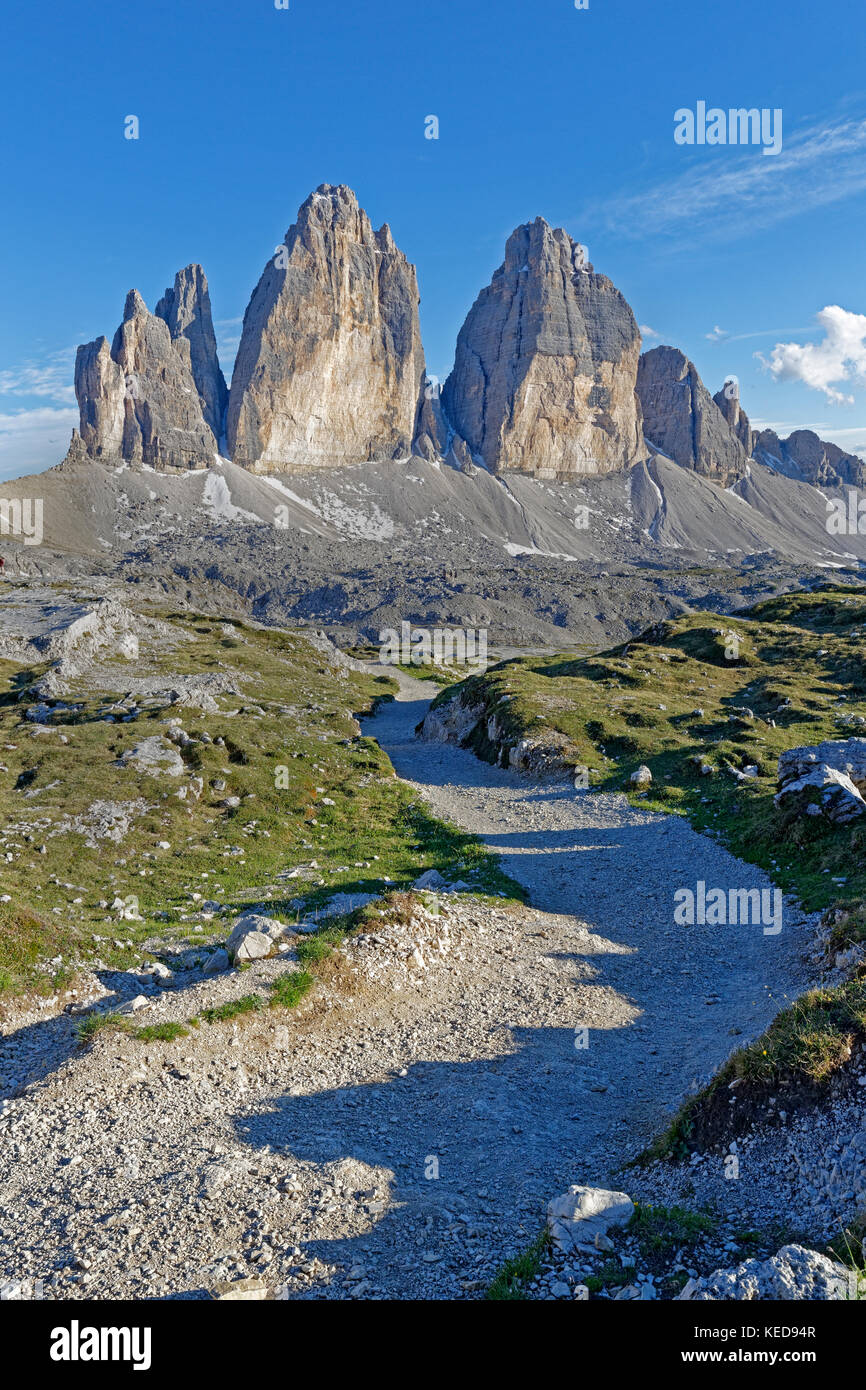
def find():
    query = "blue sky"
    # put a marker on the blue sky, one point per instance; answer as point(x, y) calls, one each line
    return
point(543, 109)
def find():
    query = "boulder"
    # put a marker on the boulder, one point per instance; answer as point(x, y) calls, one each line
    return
point(582, 1213)
point(641, 777)
point(794, 1273)
point(217, 962)
point(431, 881)
point(835, 771)
point(255, 937)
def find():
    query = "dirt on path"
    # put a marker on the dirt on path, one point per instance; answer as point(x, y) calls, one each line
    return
point(402, 1140)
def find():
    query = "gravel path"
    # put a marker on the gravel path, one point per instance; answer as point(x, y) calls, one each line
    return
point(402, 1137)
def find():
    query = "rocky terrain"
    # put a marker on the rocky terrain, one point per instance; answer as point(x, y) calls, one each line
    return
point(319, 980)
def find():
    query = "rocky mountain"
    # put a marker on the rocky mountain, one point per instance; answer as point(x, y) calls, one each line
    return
point(728, 401)
point(139, 399)
point(330, 364)
point(682, 420)
point(803, 455)
point(548, 379)
point(544, 375)
point(186, 309)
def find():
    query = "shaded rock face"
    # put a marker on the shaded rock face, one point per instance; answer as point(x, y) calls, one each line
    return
point(330, 365)
point(186, 309)
point(728, 401)
point(681, 419)
point(804, 455)
point(544, 373)
point(138, 399)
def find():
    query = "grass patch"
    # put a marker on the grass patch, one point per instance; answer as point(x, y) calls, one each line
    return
point(88, 1028)
point(161, 1032)
point(517, 1274)
point(805, 1047)
point(850, 1248)
point(288, 991)
point(660, 1229)
point(221, 1013)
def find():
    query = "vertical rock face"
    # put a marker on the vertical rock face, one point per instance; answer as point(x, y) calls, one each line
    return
point(330, 363)
point(544, 374)
point(804, 455)
point(186, 309)
point(728, 401)
point(683, 421)
point(138, 400)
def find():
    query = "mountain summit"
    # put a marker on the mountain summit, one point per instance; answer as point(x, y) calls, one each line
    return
point(330, 363)
point(544, 377)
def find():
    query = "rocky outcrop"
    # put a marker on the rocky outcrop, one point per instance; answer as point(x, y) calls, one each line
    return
point(794, 1273)
point(330, 365)
point(728, 401)
point(828, 778)
point(544, 373)
point(186, 309)
point(682, 420)
point(803, 455)
point(138, 399)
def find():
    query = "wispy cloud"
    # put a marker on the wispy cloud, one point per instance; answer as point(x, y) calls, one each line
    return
point(719, 335)
point(31, 440)
point(647, 332)
point(729, 193)
point(51, 377)
point(840, 356)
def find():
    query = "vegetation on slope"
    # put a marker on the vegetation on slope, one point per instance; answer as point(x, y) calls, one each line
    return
point(295, 805)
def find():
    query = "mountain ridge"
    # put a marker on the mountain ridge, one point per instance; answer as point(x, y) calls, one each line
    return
point(548, 377)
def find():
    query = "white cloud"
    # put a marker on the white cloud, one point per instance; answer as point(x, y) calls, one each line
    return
point(840, 356)
point(32, 440)
point(718, 335)
point(52, 377)
point(727, 193)
point(647, 332)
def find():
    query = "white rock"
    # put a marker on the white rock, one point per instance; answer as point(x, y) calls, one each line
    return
point(580, 1214)
point(792, 1274)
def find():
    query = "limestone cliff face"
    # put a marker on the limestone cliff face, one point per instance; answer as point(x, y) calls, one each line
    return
point(187, 311)
point(138, 399)
point(330, 365)
point(546, 362)
point(683, 421)
point(728, 401)
point(804, 455)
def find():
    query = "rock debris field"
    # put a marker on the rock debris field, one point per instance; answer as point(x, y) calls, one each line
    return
point(401, 1134)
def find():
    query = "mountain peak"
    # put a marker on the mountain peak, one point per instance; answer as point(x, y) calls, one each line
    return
point(546, 363)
